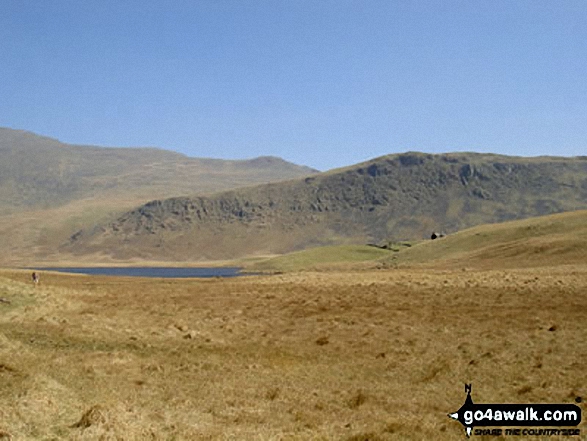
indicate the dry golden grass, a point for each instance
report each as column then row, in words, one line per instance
column 353, row 355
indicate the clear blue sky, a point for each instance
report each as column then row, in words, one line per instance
column 324, row 83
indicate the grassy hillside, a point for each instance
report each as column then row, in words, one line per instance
column 397, row 197
column 49, row 190
column 541, row 241
column 558, row 239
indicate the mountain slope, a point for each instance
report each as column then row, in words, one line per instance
column 397, row 197
column 49, row 190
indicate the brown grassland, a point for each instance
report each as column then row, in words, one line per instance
column 360, row 353
column 368, row 355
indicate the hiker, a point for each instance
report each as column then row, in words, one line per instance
column 35, row 278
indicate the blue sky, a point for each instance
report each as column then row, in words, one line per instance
column 325, row 83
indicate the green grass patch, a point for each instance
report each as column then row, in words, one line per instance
column 320, row 257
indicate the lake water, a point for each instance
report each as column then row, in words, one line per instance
column 152, row 271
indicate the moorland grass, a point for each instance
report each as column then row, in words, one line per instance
column 340, row 355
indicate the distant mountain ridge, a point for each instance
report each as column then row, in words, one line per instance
column 41, row 171
column 402, row 196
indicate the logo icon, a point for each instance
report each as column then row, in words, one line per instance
column 472, row 415
column 459, row 414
